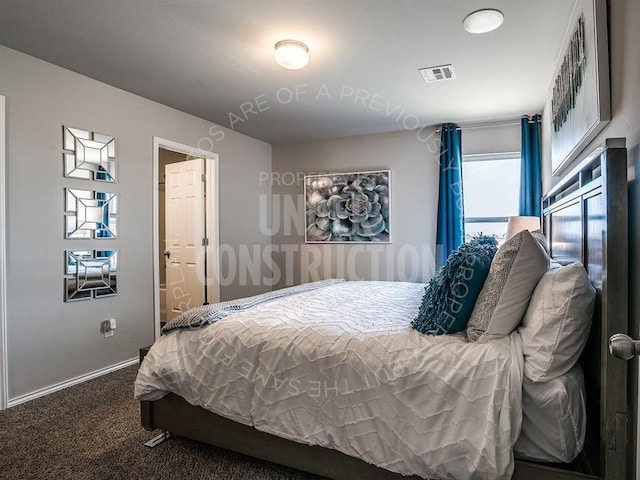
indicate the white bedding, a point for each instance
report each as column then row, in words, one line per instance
column 554, row 418
column 341, row 367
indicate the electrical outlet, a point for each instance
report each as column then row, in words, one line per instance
column 107, row 327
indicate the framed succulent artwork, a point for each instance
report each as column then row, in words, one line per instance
column 347, row 207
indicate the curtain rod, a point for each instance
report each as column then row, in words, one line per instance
column 473, row 126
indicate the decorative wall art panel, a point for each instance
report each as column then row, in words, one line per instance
column 89, row 155
column 579, row 103
column 90, row 274
column 90, row 214
column 347, row 207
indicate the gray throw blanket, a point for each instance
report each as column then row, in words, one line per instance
column 207, row 314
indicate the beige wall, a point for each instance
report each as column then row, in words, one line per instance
column 50, row 341
column 411, row 157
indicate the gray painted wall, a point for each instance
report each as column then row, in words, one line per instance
column 50, row 341
column 491, row 139
column 624, row 38
column 412, row 158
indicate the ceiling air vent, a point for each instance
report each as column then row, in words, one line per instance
column 436, row 74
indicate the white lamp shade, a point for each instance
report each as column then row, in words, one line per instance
column 291, row 54
column 517, row 224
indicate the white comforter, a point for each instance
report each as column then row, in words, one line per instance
column 342, row 368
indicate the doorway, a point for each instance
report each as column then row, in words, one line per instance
column 186, row 241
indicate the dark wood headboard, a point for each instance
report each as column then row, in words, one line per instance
column 585, row 218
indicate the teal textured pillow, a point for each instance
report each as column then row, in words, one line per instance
column 451, row 294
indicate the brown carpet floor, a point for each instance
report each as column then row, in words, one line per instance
column 92, row 431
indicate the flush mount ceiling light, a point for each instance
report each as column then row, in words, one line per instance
column 291, row 54
column 483, row 21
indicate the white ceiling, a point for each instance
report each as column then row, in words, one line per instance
column 213, row 58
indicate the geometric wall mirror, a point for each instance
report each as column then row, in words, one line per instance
column 90, row 214
column 90, row 274
column 89, row 155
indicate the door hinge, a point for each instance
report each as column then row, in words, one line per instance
column 204, row 177
column 205, row 242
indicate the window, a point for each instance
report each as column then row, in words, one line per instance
column 491, row 193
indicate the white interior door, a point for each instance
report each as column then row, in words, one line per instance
column 184, row 234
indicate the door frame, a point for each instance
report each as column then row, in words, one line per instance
column 4, row 378
column 212, row 220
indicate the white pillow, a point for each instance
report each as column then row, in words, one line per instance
column 557, row 322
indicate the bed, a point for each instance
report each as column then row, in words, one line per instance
column 438, row 435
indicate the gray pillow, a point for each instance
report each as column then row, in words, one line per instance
column 503, row 300
column 541, row 239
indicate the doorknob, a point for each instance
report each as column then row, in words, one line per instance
column 623, row 346
column 167, row 253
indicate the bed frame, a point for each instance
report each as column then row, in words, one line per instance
column 585, row 219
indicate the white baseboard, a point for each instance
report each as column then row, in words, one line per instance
column 69, row 383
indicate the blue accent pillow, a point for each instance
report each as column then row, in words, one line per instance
column 451, row 294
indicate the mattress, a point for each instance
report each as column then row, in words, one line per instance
column 341, row 367
column 554, row 418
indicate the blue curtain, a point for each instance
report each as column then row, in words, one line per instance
column 530, row 168
column 450, row 232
